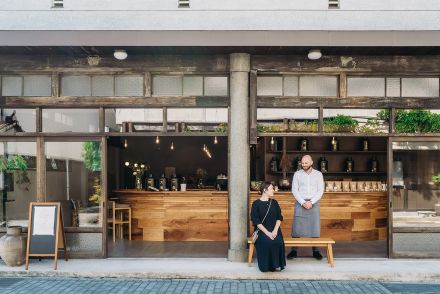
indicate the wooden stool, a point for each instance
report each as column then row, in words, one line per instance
column 118, row 220
column 301, row 242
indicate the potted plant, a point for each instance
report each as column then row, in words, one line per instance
column 340, row 123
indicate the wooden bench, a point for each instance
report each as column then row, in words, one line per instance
column 301, row 242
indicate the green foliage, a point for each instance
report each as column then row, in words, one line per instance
column 222, row 128
column 96, row 196
column 270, row 128
column 434, row 123
column 341, row 120
column 436, row 178
column 92, row 155
column 19, row 164
column 414, row 121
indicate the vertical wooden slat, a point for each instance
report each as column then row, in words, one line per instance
column 39, row 120
column 101, row 119
column 55, row 84
column 104, row 192
column 390, row 196
column 343, row 85
column 147, row 84
column 165, row 120
column 321, row 119
column 253, row 107
column 392, row 122
column 41, row 170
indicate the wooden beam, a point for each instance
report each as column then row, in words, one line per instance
column 349, row 102
column 115, row 102
column 104, row 194
column 101, row 120
column 392, row 122
column 41, row 170
column 39, row 120
column 253, row 107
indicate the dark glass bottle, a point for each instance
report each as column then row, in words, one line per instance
column 304, row 144
column 162, row 182
column 274, row 164
column 174, row 183
column 349, row 165
column 149, row 182
column 323, row 165
column 374, row 165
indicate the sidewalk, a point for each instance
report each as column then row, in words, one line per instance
column 220, row 268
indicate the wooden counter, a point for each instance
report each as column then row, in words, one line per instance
column 203, row 215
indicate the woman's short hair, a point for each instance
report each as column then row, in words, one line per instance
column 263, row 187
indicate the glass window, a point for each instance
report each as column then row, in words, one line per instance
column 71, row 120
column 361, row 86
column 37, row 85
column 103, row 85
column 318, row 86
column 141, row 119
column 290, row 86
column 192, row 86
column 23, row 120
column 73, row 177
column 216, row 86
column 18, row 182
column 370, row 121
column 12, row 86
column 76, row 86
column 420, row 87
column 167, row 85
column 129, row 86
column 197, row 119
column 273, row 120
column 393, row 87
column 269, row 86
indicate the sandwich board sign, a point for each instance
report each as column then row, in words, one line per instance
column 45, row 231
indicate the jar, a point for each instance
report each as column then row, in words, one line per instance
column 13, row 247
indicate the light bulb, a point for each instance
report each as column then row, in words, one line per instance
column 215, row 140
column 272, row 141
column 125, row 143
column 204, row 147
column 127, row 163
column 157, row 139
column 172, row 145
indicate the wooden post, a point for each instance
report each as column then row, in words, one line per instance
column 165, row 120
column 253, row 107
column 321, row 119
column 104, row 165
column 41, row 170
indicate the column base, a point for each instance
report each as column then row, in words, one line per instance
column 237, row 255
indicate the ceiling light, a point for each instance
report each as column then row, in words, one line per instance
column 172, row 146
column 314, row 54
column 215, row 140
column 157, row 139
column 120, row 54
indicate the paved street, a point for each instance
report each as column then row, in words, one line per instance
column 108, row 285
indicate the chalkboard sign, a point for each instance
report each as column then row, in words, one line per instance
column 45, row 231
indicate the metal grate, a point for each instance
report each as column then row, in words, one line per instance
column 57, row 4
column 333, row 4
column 183, row 3
column 8, row 282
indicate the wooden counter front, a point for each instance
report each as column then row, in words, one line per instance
column 203, row 215
column 178, row 216
column 350, row 216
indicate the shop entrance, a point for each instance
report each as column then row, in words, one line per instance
column 175, row 189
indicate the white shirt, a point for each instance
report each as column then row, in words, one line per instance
column 307, row 187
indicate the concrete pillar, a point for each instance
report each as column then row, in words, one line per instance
column 238, row 159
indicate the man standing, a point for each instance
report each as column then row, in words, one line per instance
column 307, row 188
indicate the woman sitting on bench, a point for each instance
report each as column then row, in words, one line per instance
column 266, row 218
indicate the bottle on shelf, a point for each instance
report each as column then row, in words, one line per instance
column 162, row 182
column 304, row 144
column 334, row 144
column 274, row 164
column 349, row 165
column 298, row 163
column 365, row 144
column 374, row 165
column 150, row 182
column 323, row 165
column 174, row 183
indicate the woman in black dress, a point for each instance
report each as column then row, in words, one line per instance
column 270, row 242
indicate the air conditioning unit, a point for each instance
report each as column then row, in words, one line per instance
column 333, row 4
column 57, row 4
column 183, row 3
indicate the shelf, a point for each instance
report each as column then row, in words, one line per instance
column 330, row 152
column 339, row 173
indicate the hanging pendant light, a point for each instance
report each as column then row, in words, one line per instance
column 172, row 146
column 215, row 140
column 204, row 147
column 272, row 141
column 125, row 143
column 157, row 139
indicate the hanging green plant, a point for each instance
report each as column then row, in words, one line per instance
column 16, row 163
column 92, row 155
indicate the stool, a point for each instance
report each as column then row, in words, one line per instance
column 117, row 218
